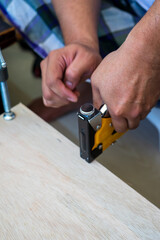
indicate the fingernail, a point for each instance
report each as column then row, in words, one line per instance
column 72, row 100
column 69, row 84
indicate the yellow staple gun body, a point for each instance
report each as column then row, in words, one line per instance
column 96, row 132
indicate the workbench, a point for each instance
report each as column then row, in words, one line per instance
column 48, row 192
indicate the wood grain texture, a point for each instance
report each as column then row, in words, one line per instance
column 48, row 192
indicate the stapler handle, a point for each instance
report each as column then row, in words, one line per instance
column 104, row 111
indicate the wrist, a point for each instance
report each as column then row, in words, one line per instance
column 140, row 46
column 89, row 42
column 145, row 36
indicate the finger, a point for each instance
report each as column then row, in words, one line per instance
column 76, row 72
column 120, row 124
column 55, row 101
column 50, row 99
column 52, row 76
column 64, row 92
column 48, row 95
column 43, row 66
column 133, row 123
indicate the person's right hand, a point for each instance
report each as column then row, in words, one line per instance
column 63, row 69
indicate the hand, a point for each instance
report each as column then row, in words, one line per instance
column 63, row 70
column 128, row 81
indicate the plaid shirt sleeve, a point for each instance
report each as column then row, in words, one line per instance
column 37, row 22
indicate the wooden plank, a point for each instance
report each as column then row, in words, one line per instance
column 48, row 192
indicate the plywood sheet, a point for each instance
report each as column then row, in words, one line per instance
column 48, row 192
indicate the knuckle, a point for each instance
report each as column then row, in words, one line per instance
column 47, row 96
column 71, row 74
column 118, row 112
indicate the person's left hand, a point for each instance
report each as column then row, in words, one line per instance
column 62, row 71
column 128, row 81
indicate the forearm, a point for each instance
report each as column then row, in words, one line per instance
column 146, row 34
column 78, row 20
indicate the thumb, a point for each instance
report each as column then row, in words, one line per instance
column 75, row 73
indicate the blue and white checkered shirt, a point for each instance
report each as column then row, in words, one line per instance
column 36, row 20
column 146, row 4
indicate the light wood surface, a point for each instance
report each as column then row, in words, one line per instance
column 48, row 192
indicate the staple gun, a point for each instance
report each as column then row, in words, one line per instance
column 96, row 132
